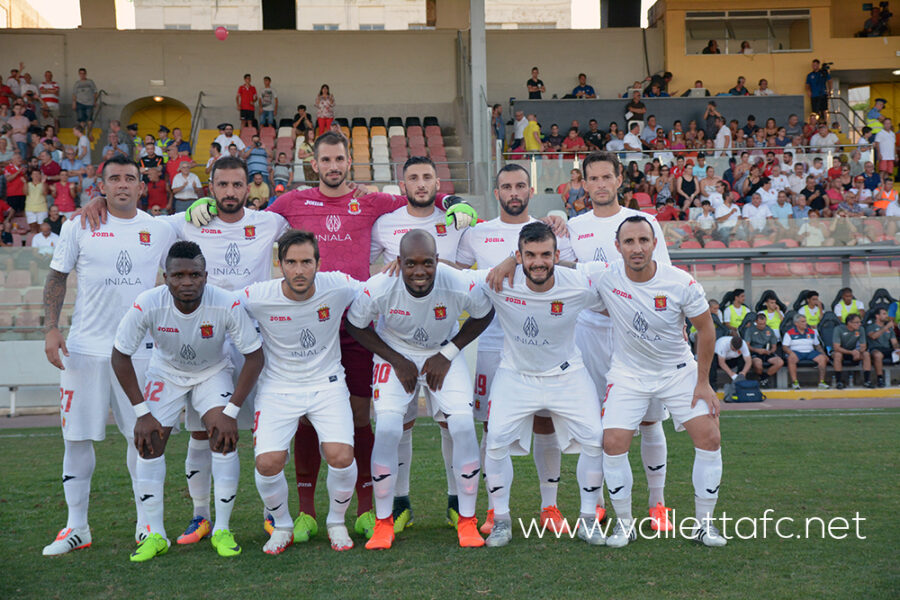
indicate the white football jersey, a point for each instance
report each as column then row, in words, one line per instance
column 389, row 228
column 539, row 327
column 648, row 318
column 487, row 245
column 300, row 339
column 188, row 349
column 417, row 326
column 114, row 264
column 594, row 239
column 237, row 254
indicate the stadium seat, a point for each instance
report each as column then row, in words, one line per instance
column 33, row 296
column 358, row 122
column 413, row 122
column 858, row 267
column 378, row 130
column 828, row 268
column 345, row 131
column 418, row 151
column 431, row 121
column 447, row 187
column 649, row 210
column 396, row 130
column 382, row 172
column 882, row 267
column 415, row 130
column 359, row 132
column 432, row 130
column 342, row 122
column 28, row 319
column 802, row 269
column 395, row 122
column 285, row 132
column 18, row 279
column 10, row 297
column 376, row 122
column 362, row 173
column 644, row 200
column 267, row 132
column 391, row 189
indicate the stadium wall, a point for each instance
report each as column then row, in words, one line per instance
column 370, row 73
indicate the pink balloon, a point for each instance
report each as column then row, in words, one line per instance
column 221, row 33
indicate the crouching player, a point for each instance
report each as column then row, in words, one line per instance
column 417, row 316
column 647, row 302
column 299, row 317
column 188, row 321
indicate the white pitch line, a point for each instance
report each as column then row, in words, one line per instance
column 808, row 413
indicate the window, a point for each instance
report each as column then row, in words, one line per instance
column 420, row 27
column 371, row 26
column 767, row 31
column 325, row 27
column 179, row 27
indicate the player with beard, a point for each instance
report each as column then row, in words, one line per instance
column 342, row 224
column 593, row 236
column 237, row 245
column 488, row 245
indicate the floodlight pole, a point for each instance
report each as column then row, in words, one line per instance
column 479, row 121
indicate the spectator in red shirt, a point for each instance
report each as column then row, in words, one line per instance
column 6, row 95
column 49, row 167
column 175, row 160
column 246, row 102
column 15, row 182
column 667, row 212
column 835, row 171
column 573, row 142
column 159, row 192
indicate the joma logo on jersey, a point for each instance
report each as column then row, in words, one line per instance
column 515, row 301
column 441, row 229
column 585, row 236
column 212, row 231
column 659, row 302
column 314, row 203
column 279, row 318
column 619, row 292
column 493, row 240
column 144, row 237
column 401, row 231
column 168, row 329
column 399, row 311
column 353, row 207
column 324, row 313
column 250, row 232
column 440, row 312
column 103, row 234
column 556, row 307
column 206, row 331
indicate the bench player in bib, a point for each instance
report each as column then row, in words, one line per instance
column 114, row 264
column 417, row 345
column 647, row 303
column 342, row 221
column 541, row 369
column 299, row 317
column 188, row 321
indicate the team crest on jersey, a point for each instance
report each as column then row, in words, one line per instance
column 441, row 229
column 440, row 312
column 144, row 237
column 324, row 313
column 250, row 232
column 353, row 206
column 206, row 330
column 659, row 302
column 556, row 307
column 375, row 393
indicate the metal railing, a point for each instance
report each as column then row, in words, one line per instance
column 195, row 119
column 855, row 119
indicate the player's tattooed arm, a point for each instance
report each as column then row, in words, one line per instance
column 54, row 295
column 404, row 369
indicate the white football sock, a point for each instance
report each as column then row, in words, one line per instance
column 483, row 455
column 465, row 462
column 226, row 470
column 273, row 489
column 151, row 480
column 447, row 454
column 131, row 456
column 617, row 472
column 499, row 467
column 340, row 485
column 707, row 476
column 388, row 432
column 589, row 473
column 404, row 463
column 197, row 470
column 78, row 467
column 547, row 459
column 654, row 454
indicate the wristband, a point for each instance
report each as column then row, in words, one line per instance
column 449, row 351
column 140, row 409
column 231, row 410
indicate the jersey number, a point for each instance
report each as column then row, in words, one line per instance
column 153, row 395
column 481, row 385
column 381, row 373
column 65, row 399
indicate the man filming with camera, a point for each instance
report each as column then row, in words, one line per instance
column 818, row 86
column 877, row 23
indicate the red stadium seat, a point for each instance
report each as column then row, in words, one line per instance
column 828, row 268
column 433, row 130
column 643, row 199
column 649, row 210
column 882, row 267
column 802, row 269
column 415, row 130
column 447, row 187
column 858, row 267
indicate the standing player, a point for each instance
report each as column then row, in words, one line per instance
column 542, row 369
column 342, row 224
column 593, row 239
column 299, row 317
column 114, row 264
column 417, row 316
column 488, row 245
column 188, row 321
column 652, row 362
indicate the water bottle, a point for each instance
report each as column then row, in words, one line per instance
column 850, row 380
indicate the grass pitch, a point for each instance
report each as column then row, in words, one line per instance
column 826, row 464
